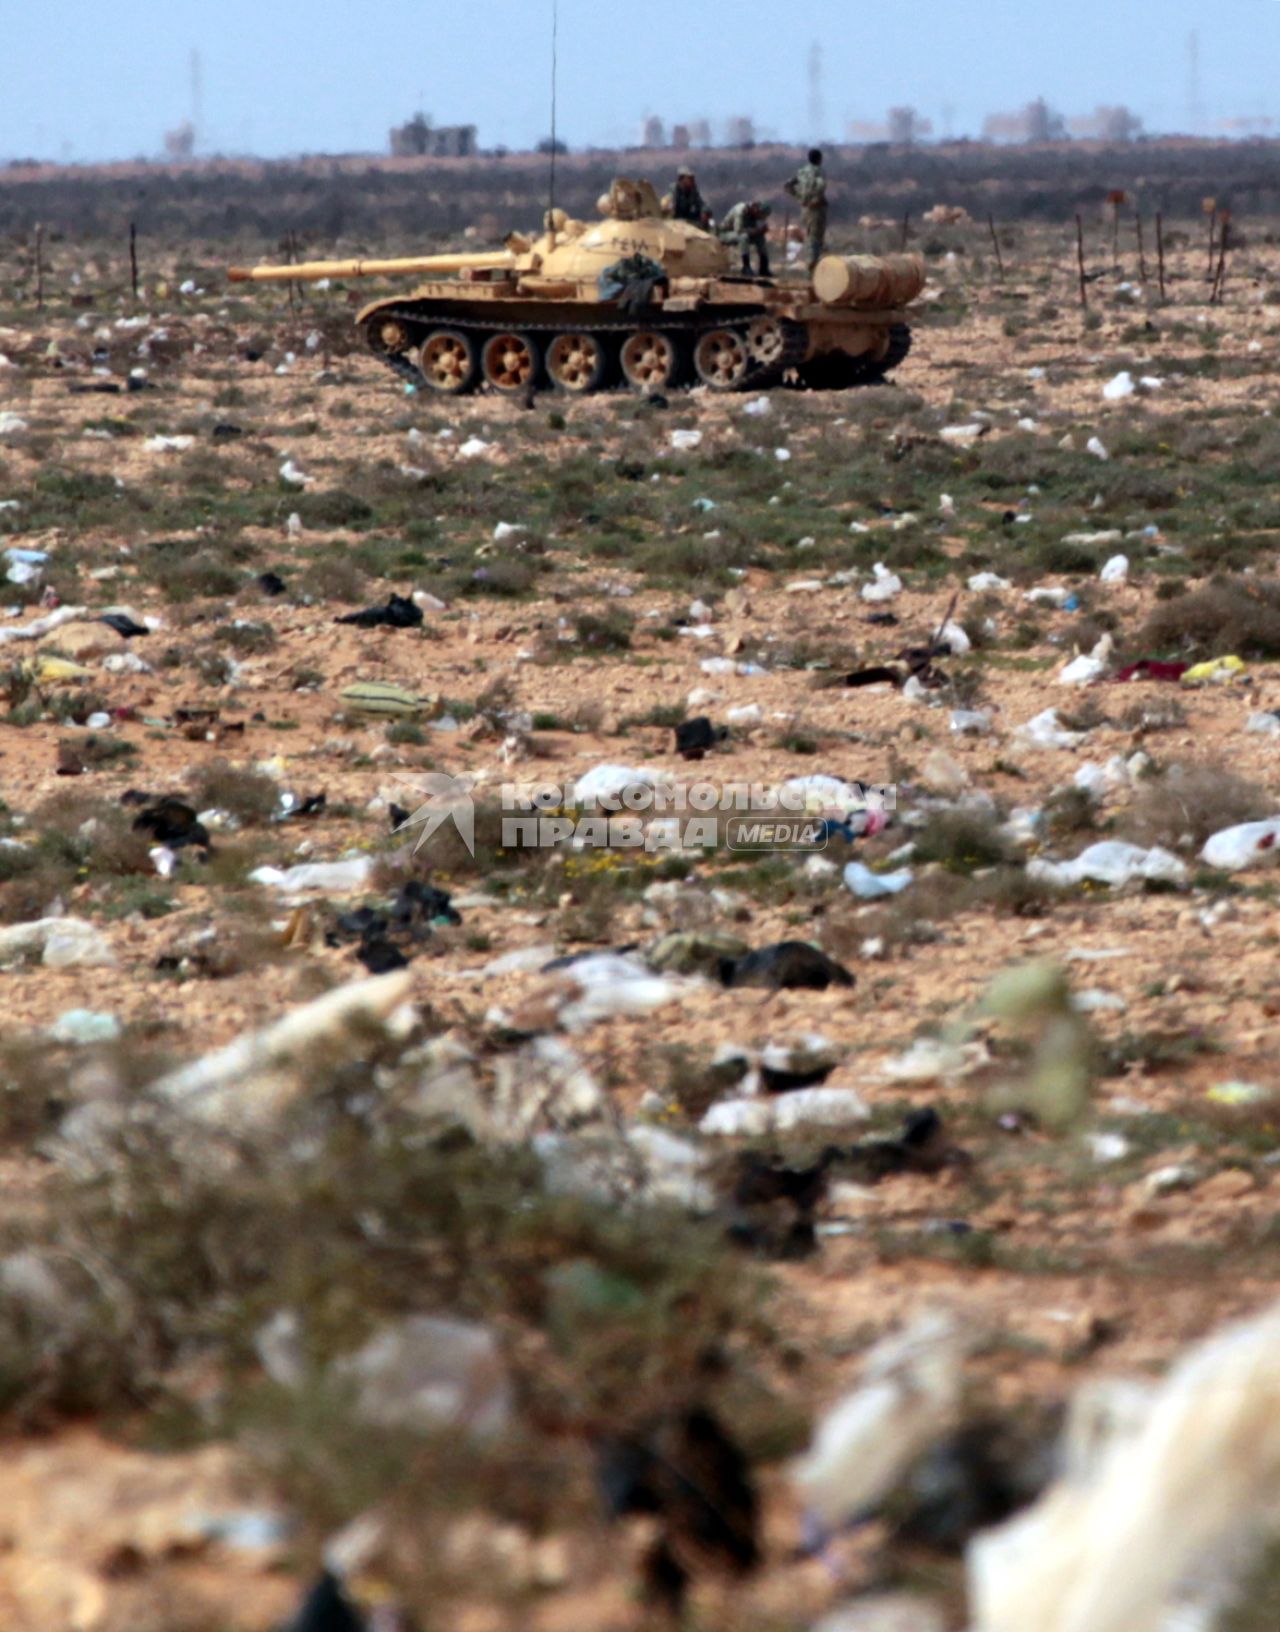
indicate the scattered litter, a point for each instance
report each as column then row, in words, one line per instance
column 1163, row 1489
column 686, row 441
column 988, row 582
column 124, row 624
column 1095, row 446
column 963, row 436
column 607, row 784
column 934, row 1059
column 1234, row 848
column 326, row 877
column 381, row 697
column 474, row 447
column 869, row 886
column 761, row 1115
column 170, row 444
column 953, row 637
column 885, row 1612
column 1113, row 862
column 399, row 612
column 608, row 984
column 886, row 585
column 290, row 473
column 1084, row 670
column 694, row 737
column 170, row 822
column 880, row 674
column 1045, row 731
column 254, row 1078
column 908, row 1393
column 758, row 407
column 83, row 1026
column 1115, row 571
column 1147, row 668
column 1237, row 1092
column 1217, row 671
column 427, row 1373
column 786, row 966
column 40, row 627
column 1115, row 390
column 61, row 942
column 1095, row 1001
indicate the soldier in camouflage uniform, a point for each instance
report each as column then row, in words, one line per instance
column 809, row 189
column 687, row 203
column 747, row 225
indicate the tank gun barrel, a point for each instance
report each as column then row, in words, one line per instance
column 405, row 266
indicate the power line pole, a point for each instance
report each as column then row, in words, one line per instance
column 197, row 98
column 1195, row 104
column 817, row 106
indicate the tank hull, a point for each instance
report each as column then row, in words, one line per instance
column 785, row 335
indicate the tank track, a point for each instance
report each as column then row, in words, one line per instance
column 837, row 372
column 857, row 370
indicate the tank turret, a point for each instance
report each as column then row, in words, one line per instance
column 632, row 296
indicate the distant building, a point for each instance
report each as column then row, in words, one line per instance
column 180, row 143
column 421, row 139
column 653, row 133
column 1037, row 122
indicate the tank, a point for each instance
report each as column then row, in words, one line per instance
column 633, row 298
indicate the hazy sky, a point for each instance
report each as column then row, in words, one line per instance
column 81, row 80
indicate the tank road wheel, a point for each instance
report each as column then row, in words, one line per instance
column 652, row 360
column 577, row 362
column 511, row 363
column 392, row 337
column 721, row 359
column 767, row 343
column 448, row 362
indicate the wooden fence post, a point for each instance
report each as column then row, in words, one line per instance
column 995, row 244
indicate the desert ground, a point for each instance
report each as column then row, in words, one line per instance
column 200, row 1285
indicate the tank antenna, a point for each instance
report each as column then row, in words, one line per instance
column 551, row 204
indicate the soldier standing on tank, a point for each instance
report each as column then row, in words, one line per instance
column 809, row 188
column 687, row 203
column 747, row 225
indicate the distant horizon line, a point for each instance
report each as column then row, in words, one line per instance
column 499, row 151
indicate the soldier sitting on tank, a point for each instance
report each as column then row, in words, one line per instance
column 809, row 188
column 687, row 203
column 747, row 225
